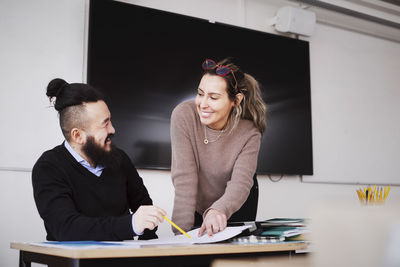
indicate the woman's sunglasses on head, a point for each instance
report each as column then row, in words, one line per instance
column 220, row 70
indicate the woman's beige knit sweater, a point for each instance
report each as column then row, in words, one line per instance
column 217, row 175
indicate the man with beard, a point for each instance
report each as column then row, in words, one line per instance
column 86, row 188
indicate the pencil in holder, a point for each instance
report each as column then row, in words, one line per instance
column 375, row 195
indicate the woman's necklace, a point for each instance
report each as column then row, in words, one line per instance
column 206, row 141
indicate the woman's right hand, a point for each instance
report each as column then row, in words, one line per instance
column 213, row 223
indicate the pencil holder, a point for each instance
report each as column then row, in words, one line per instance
column 375, row 195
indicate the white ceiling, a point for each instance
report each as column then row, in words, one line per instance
column 380, row 18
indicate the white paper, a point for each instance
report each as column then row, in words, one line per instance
column 229, row 232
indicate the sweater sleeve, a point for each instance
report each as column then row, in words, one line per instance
column 183, row 170
column 238, row 188
column 137, row 193
column 55, row 203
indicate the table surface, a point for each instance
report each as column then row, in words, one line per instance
column 156, row 251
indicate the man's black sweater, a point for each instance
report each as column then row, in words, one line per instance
column 75, row 204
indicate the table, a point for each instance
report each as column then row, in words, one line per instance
column 300, row 260
column 165, row 255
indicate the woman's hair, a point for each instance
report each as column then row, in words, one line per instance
column 69, row 100
column 252, row 107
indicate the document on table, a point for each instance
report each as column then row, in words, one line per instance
column 229, row 232
column 79, row 244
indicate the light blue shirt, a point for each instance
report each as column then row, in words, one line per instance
column 98, row 170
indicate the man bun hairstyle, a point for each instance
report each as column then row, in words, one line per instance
column 69, row 100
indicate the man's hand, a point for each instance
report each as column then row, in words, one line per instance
column 213, row 223
column 148, row 217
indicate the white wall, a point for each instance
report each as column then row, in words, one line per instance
column 355, row 101
column 44, row 39
column 40, row 40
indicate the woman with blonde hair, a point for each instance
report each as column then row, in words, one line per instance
column 215, row 143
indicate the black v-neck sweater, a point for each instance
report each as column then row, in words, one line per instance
column 75, row 204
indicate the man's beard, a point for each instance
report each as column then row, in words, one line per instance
column 99, row 156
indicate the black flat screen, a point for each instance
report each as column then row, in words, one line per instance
column 147, row 61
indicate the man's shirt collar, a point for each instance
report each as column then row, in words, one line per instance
column 96, row 171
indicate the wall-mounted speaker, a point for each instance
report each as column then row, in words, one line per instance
column 294, row 20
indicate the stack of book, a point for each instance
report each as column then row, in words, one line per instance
column 273, row 230
column 283, row 229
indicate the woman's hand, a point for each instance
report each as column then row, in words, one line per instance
column 213, row 223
